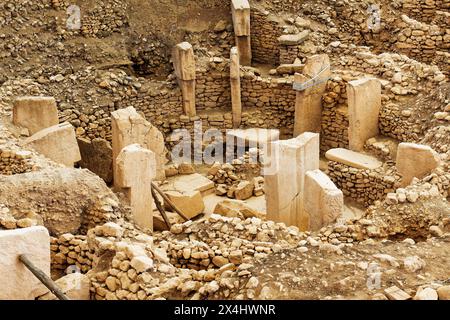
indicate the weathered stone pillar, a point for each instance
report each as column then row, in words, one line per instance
column 136, row 168
column 240, row 10
column 58, row 143
column 311, row 86
column 18, row 283
column 415, row 160
column 235, row 79
column 323, row 201
column 35, row 113
column 364, row 103
column 184, row 65
column 284, row 182
column 129, row 127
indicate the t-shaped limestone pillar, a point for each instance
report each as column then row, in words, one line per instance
column 240, row 10
column 311, row 86
column 285, row 180
column 415, row 160
column 136, row 168
column 35, row 113
column 235, row 79
column 323, row 201
column 129, row 127
column 184, row 64
column 364, row 103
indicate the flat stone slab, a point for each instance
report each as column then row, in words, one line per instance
column 353, row 159
column 255, row 135
column 293, row 39
column 189, row 183
column 17, row 282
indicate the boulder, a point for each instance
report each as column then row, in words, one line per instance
column 244, row 190
column 235, row 208
column 190, row 203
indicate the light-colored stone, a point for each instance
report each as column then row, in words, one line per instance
column 240, row 11
column 364, row 104
column 323, row 201
column 415, row 161
column 58, row 143
column 288, row 163
column 426, row 294
column 136, row 168
column 236, row 208
column 75, row 286
column 293, row 39
column 35, row 113
column 184, row 64
column 244, row 190
column 235, row 83
column 444, row 293
column 190, row 203
column 129, row 127
column 17, row 282
column 353, row 159
column 141, row 263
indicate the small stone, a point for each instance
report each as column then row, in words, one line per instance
column 426, row 294
column 444, row 293
column 25, row 223
column 413, row 264
column 141, row 264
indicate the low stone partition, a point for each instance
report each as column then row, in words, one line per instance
column 71, row 251
column 15, row 162
column 361, row 177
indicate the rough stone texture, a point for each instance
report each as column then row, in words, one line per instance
column 18, row 283
column 67, row 200
column 235, row 86
column 58, row 143
column 190, row 203
column 415, row 160
column 289, row 162
column 184, row 65
column 235, row 208
column 308, row 105
column 76, row 286
column 35, row 113
column 353, row 159
column 136, row 168
column 96, row 155
column 240, row 10
column 128, row 127
column 364, row 103
column 323, row 202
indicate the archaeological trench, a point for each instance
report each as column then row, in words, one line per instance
column 327, row 122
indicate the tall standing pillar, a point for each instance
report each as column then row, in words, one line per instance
column 184, row 65
column 311, row 86
column 235, row 80
column 136, row 168
column 240, row 10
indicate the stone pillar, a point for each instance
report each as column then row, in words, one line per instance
column 415, row 160
column 284, row 183
column 235, row 79
column 129, row 127
column 364, row 103
column 323, row 201
column 35, row 113
column 240, row 10
column 136, row 168
column 17, row 282
column 58, row 143
column 184, row 65
column 308, row 103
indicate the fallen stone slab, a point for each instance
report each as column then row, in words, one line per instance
column 190, row 203
column 293, row 39
column 254, row 136
column 190, row 182
column 235, row 208
column 35, row 113
column 353, row 159
column 75, row 286
column 17, row 282
column 58, row 143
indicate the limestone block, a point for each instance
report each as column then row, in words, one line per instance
column 308, row 103
column 96, row 155
column 129, row 127
column 136, row 168
column 235, row 208
column 35, row 113
column 364, row 104
column 415, row 160
column 293, row 39
column 75, row 286
column 289, row 162
column 17, row 282
column 324, row 202
column 244, row 190
column 191, row 182
column 184, row 61
column 353, row 159
column 58, row 143
column 240, row 10
column 190, row 203
column 254, row 137
column 235, row 81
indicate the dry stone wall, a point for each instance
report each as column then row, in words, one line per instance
column 15, row 162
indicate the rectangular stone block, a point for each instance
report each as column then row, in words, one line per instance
column 353, row 159
column 17, row 282
column 35, row 113
column 184, row 61
column 323, row 201
column 235, row 81
column 364, row 103
column 58, row 143
column 240, row 10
